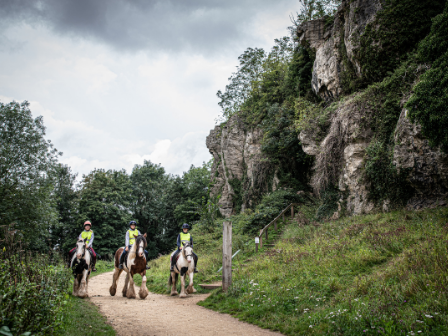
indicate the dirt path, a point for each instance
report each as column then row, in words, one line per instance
column 162, row 314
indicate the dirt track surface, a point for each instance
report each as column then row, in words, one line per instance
column 162, row 314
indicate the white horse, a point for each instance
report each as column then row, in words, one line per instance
column 136, row 264
column 82, row 264
column 184, row 265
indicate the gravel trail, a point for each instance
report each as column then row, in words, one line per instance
column 162, row 314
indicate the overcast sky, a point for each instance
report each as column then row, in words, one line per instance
column 121, row 81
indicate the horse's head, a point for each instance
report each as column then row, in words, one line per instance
column 80, row 248
column 141, row 245
column 188, row 252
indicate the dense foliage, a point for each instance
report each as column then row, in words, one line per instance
column 396, row 31
column 429, row 104
column 33, row 288
column 27, row 165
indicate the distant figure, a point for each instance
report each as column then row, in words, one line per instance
column 131, row 234
column 90, row 236
column 182, row 238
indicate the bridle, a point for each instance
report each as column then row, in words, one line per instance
column 83, row 250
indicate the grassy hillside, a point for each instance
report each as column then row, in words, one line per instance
column 372, row 274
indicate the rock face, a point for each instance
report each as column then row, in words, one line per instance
column 340, row 157
column 237, row 162
column 336, row 44
column 428, row 167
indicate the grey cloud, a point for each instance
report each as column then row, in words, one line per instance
column 149, row 25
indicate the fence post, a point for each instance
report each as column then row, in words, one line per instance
column 261, row 238
column 226, row 256
column 266, row 235
column 257, row 241
column 292, row 211
column 275, row 225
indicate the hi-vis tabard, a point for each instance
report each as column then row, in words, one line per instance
column 132, row 235
column 88, row 235
column 184, row 237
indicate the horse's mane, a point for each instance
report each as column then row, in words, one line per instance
column 139, row 239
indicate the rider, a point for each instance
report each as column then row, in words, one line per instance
column 183, row 237
column 131, row 234
column 90, row 236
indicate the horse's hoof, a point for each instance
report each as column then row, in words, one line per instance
column 174, row 293
column 183, row 295
column 143, row 295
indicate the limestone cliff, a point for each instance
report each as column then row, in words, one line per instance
column 340, row 157
column 238, row 166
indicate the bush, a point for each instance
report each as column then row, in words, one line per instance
column 429, row 103
column 33, row 288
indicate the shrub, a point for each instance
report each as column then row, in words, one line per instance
column 429, row 103
column 33, row 288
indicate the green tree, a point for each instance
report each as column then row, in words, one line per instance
column 27, row 165
column 65, row 232
column 106, row 200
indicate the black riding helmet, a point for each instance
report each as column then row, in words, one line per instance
column 185, row 226
column 132, row 222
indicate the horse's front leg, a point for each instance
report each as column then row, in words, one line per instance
column 190, row 288
column 82, row 293
column 76, row 285
column 113, row 288
column 130, row 294
column 125, row 287
column 143, row 292
column 182, row 287
column 173, row 276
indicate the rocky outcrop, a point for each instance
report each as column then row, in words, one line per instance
column 428, row 167
column 237, row 163
column 336, row 44
column 340, row 157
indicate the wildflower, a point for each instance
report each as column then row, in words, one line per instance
column 429, row 316
column 419, row 321
column 309, row 316
column 311, row 325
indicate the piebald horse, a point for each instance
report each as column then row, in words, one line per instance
column 184, row 265
column 81, row 264
column 136, row 264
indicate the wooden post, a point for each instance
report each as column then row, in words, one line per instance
column 257, row 241
column 266, row 235
column 226, row 256
column 275, row 225
column 292, row 211
column 283, row 218
column 261, row 240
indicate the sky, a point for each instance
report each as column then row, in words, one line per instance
column 123, row 81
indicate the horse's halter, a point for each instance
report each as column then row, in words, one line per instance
column 188, row 255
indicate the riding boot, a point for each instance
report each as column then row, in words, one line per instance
column 120, row 266
column 195, row 257
column 94, row 263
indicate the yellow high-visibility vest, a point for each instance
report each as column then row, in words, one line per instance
column 88, row 235
column 184, row 237
column 132, row 236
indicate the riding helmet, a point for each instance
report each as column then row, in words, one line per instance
column 132, row 222
column 185, row 226
column 87, row 223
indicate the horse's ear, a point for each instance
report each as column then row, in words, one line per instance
column 85, row 240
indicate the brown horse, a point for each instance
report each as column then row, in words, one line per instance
column 136, row 264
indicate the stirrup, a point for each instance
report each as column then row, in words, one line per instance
column 148, row 267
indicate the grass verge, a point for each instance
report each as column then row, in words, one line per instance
column 81, row 317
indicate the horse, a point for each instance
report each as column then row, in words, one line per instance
column 81, row 264
column 136, row 264
column 184, row 265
